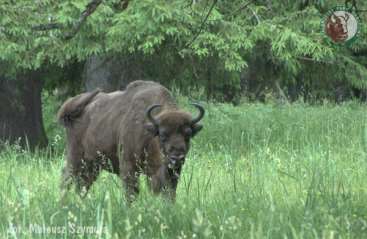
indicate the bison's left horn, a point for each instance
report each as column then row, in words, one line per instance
column 201, row 113
column 149, row 114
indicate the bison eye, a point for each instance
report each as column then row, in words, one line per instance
column 187, row 132
column 163, row 136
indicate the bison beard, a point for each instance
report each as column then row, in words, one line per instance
column 139, row 130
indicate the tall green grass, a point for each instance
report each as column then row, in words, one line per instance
column 255, row 171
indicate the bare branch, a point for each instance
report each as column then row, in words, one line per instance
column 208, row 14
column 89, row 10
column 255, row 15
column 202, row 24
column 91, row 7
column 242, row 7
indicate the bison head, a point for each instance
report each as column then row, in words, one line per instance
column 337, row 27
column 174, row 128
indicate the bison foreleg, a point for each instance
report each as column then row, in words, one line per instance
column 169, row 192
column 165, row 183
column 66, row 182
column 130, row 177
column 87, row 176
column 81, row 174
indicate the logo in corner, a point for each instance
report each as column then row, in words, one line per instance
column 341, row 25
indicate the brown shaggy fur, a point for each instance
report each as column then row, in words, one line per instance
column 112, row 132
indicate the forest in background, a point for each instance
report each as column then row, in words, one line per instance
column 223, row 51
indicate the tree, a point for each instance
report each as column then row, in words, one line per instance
column 22, row 80
column 21, row 113
column 208, row 43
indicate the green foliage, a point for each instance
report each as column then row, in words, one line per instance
column 174, row 34
column 254, row 171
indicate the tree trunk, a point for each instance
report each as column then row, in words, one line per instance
column 21, row 110
column 281, row 95
column 111, row 73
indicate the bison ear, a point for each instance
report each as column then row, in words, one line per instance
column 151, row 128
column 195, row 129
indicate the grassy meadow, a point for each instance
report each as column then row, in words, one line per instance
column 255, row 171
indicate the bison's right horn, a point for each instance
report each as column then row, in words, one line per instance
column 333, row 18
column 149, row 114
column 201, row 113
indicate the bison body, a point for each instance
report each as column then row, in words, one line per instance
column 139, row 130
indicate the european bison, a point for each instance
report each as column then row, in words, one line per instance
column 139, row 130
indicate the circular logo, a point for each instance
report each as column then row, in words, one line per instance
column 341, row 25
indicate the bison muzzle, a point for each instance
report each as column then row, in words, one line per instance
column 138, row 130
